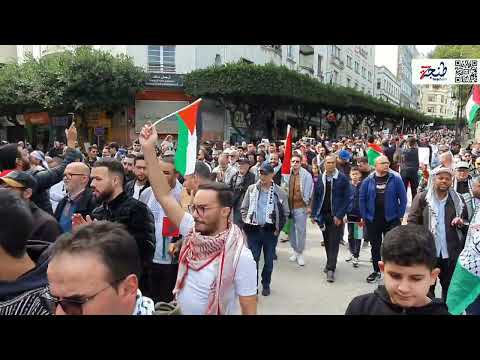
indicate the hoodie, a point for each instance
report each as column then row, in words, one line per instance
column 24, row 296
column 379, row 303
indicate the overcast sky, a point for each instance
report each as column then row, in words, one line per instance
column 387, row 55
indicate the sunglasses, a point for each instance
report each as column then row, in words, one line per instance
column 72, row 306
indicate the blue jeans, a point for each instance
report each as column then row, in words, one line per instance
column 474, row 308
column 258, row 238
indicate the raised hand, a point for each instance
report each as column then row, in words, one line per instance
column 71, row 134
column 148, row 136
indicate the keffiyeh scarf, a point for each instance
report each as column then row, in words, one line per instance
column 253, row 206
column 143, row 305
column 200, row 250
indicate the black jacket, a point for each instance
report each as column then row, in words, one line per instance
column 137, row 218
column 45, row 227
column 378, row 303
column 86, row 203
column 24, row 296
column 48, row 178
column 239, row 193
column 130, row 187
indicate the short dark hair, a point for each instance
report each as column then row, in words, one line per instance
column 354, row 168
column 224, row 193
column 362, row 159
column 138, row 157
column 106, row 147
column 8, row 155
column 114, row 166
column 412, row 141
column 202, row 170
column 371, row 139
column 114, row 145
column 14, row 210
column 295, row 154
column 91, row 147
column 117, row 249
column 131, row 156
column 408, row 245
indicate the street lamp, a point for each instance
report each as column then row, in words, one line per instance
column 457, row 125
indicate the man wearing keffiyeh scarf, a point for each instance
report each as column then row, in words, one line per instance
column 216, row 270
column 442, row 211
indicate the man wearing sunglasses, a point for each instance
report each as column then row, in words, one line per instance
column 79, row 198
column 216, row 272
column 23, row 277
column 45, row 227
column 95, row 271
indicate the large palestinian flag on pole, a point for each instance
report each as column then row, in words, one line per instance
column 186, row 155
column 373, row 152
column 465, row 284
column 473, row 104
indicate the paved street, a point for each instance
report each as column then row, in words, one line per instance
column 304, row 290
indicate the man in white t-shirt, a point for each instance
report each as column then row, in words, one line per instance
column 217, row 272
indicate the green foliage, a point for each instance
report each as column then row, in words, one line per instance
column 277, row 87
column 456, row 52
column 70, row 81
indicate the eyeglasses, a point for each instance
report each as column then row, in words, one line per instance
column 69, row 175
column 200, row 209
column 73, row 306
column 295, row 161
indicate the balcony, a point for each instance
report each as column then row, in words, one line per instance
column 306, row 69
column 335, row 61
column 161, row 69
column 273, row 54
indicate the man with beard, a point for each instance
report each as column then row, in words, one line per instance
column 463, row 184
column 128, row 164
column 116, row 206
column 92, row 155
column 239, row 184
column 138, row 185
column 277, row 167
column 12, row 159
column 216, row 269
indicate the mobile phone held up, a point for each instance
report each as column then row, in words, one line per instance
column 71, row 117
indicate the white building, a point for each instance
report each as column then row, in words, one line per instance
column 386, row 85
column 436, row 100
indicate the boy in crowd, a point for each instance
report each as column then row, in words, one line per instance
column 409, row 258
column 354, row 218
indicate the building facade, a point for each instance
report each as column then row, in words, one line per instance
column 408, row 91
column 386, row 85
column 437, row 100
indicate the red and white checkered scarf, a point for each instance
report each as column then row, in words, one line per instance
column 199, row 251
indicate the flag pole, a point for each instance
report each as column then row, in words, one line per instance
column 176, row 112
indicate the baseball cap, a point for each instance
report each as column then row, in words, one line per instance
column 266, row 167
column 168, row 153
column 19, row 179
column 442, row 170
column 243, row 160
column 345, row 155
column 461, row 165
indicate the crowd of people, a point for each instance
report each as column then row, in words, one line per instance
column 121, row 231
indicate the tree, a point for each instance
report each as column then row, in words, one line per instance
column 81, row 80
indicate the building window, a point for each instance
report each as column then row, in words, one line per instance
column 356, row 85
column 357, row 67
column 161, row 58
column 363, row 89
column 349, row 61
column 431, row 98
column 370, row 76
column 336, row 51
column 348, row 82
column 335, row 76
column 379, row 84
column 442, row 99
column 319, row 66
column 363, row 72
column 430, row 109
column 369, row 93
column 290, row 51
column 218, row 60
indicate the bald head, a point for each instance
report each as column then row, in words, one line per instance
column 382, row 165
column 76, row 177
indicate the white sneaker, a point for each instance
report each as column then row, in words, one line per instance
column 293, row 258
column 349, row 258
column 300, row 260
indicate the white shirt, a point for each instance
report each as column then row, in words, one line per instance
column 57, row 193
column 136, row 190
column 161, row 255
column 193, row 298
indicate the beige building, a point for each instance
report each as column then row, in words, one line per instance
column 8, row 53
column 436, row 100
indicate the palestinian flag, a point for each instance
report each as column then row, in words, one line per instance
column 465, row 284
column 473, row 104
column 186, row 155
column 288, row 152
column 373, row 152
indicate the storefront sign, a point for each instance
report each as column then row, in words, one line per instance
column 99, row 131
column 165, row 80
column 100, row 123
column 60, row 121
column 41, row 118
